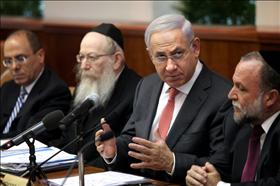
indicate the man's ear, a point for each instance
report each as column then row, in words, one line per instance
column 271, row 98
column 41, row 55
column 118, row 61
column 195, row 46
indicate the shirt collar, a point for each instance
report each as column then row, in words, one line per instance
column 29, row 87
column 268, row 122
column 186, row 88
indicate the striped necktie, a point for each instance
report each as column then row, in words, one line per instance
column 16, row 109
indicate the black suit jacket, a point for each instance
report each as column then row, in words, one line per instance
column 48, row 94
column 192, row 136
column 268, row 169
column 118, row 109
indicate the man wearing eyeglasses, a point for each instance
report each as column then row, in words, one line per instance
column 177, row 111
column 34, row 91
column 101, row 70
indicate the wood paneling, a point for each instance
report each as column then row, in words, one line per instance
column 221, row 47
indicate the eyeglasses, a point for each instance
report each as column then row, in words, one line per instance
column 177, row 56
column 19, row 59
column 91, row 57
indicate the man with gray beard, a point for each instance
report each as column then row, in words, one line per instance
column 252, row 147
column 101, row 70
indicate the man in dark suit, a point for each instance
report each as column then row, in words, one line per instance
column 149, row 145
column 253, row 156
column 44, row 91
column 102, row 70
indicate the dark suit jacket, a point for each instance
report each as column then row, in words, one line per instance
column 268, row 169
column 48, row 94
column 118, row 109
column 194, row 130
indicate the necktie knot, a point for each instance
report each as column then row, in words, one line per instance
column 172, row 93
column 257, row 132
column 23, row 92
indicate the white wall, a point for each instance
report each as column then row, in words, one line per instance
column 267, row 12
column 129, row 11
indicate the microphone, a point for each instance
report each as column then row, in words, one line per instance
column 106, row 136
column 90, row 101
column 49, row 122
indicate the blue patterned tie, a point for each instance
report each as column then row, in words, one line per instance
column 16, row 109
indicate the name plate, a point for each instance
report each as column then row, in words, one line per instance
column 12, row 180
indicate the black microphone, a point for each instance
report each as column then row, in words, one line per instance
column 90, row 101
column 49, row 122
column 107, row 135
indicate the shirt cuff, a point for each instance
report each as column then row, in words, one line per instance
column 110, row 160
column 173, row 166
column 221, row 183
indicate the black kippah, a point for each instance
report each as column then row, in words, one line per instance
column 272, row 58
column 111, row 31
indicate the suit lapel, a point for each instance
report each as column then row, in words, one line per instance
column 190, row 108
column 267, row 145
column 35, row 91
column 12, row 101
column 153, row 103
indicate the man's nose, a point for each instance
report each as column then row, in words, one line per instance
column 170, row 65
column 85, row 65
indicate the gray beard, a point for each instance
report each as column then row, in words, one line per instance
column 103, row 87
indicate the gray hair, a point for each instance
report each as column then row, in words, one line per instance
column 169, row 22
column 113, row 47
column 270, row 79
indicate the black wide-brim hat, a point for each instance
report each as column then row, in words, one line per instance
column 111, row 31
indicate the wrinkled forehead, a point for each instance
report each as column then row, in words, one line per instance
column 248, row 72
column 93, row 42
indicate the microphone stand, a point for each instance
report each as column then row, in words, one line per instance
column 34, row 170
column 81, row 168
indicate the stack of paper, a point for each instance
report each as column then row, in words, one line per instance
column 16, row 159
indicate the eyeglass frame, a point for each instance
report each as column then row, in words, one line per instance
column 16, row 60
column 175, row 59
column 92, row 58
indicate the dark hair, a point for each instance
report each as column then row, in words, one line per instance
column 270, row 79
column 31, row 37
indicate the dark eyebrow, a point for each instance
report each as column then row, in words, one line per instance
column 177, row 50
column 160, row 53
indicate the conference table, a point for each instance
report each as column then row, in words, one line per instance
column 89, row 169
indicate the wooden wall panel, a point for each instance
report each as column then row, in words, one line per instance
column 221, row 47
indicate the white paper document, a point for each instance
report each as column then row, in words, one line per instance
column 16, row 159
column 109, row 178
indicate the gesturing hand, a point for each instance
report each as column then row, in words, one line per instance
column 153, row 155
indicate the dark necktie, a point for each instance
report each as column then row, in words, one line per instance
column 249, row 170
column 166, row 115
column 16, row 110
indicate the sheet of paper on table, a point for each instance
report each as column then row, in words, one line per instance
column 109, row 178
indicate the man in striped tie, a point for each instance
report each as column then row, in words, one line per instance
column 34, row 90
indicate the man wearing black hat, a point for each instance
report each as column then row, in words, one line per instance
column 101, row 70
column 254, row 154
